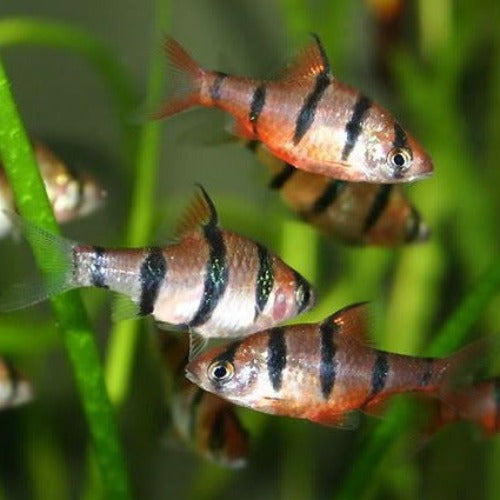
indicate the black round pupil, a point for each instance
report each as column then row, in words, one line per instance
column 399, row 159
column 220, row 372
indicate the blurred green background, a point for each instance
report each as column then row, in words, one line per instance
column 436, row 65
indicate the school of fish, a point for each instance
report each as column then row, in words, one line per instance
column 337, row 159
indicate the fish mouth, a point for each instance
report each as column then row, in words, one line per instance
column 191, row 376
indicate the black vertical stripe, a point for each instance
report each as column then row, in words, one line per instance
column 328, row 364
column 98, row 267
column 215, row 88
column 216, row 275
column 276, row 356
column 265, row 279
column 427, row 375
column 307, row 112
column 282, row 177
column 400, row 141
column 257, row 105
column 379, row 374
column 13, row 379
column 354, row 125
column 400, row 137
column 328, row 196
column 152, row 275
column 378, row 206
column 229, row 353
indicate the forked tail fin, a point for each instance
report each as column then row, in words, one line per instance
column 58, row 262
column 187, row 80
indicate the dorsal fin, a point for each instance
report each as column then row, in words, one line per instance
column 308, row 63
column 199, row 213
column 352, row 321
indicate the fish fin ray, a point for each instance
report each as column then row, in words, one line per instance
column 200, row 212
column 187, row 78
column 197, row 344
column 346, row 421
column 352, row 321
column 58, row 263
column 308, row 63
column 205, row 134
column 238, row 129
column 124, row 308
column 459, row 370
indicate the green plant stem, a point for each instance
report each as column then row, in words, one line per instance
column 449, row 338
column 31, row 199
column 123, row 339
column 40, row 32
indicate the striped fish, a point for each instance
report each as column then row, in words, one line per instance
column 307, row 118
column 15, row 390
column 212, row 282
column 478, row 403
column 201, row 421
column 320, row 372
column 357, row 213
column 72, row 194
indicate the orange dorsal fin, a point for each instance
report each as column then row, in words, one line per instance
column 352, row 321
column 308, row 63
column 200, row 212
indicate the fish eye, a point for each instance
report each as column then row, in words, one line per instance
column 302, row 296
column 400, row 160
column 221, row 371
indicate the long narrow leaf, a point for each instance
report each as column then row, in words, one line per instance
column 33, row 204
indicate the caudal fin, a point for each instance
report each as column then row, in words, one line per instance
column 58, row 262
column 187, row 80
column 460, row 369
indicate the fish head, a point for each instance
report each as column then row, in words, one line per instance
column 72, row 194
column 389, row 153
column 232, row 372
column 291, row 294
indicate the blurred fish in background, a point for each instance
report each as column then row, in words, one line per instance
column 199, row 420
column 72, row 194
column 15, row 389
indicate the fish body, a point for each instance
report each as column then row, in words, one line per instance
column 478, row 403
column 213, row 282
column 357, row 213
column 15, row 390
column 209, row 425
column 71, row 194
column 320, row 372
column 307, row 118
column 199, row 420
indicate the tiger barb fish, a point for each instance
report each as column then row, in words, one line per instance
column 321, row 372
column 211, row 282
column 72, row 194
column 356, row 213
column 307, row 118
